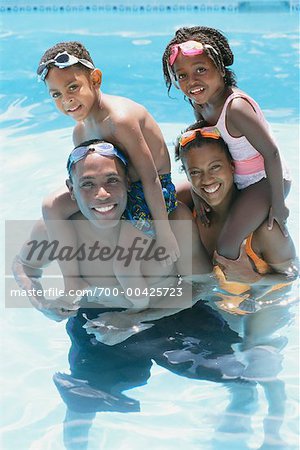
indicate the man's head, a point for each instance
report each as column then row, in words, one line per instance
column 73, row 82
column 98, row 182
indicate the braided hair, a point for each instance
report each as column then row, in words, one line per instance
column 205, row 35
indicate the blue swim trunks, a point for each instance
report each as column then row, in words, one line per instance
column 137, row 211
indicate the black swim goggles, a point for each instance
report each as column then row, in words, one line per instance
column 102, row 148
column 61, row 60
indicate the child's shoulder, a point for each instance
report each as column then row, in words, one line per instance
column 113, row 101
column 122, row 110
column 240, row 102
column 238, row 96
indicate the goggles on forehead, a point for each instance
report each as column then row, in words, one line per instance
column 61, row 60
column 102, row 148
column 188, row 48
column 207, row 132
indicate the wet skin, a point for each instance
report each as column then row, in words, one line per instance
column 100, row 186
column 210, row 173
column 73, row 92
column 198, row 78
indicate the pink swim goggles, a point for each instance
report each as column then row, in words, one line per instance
column 188, row 48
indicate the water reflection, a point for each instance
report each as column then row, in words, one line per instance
column 196, row 343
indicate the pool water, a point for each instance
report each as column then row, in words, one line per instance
column 155, row 389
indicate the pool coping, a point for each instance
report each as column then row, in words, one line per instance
column 150, row 6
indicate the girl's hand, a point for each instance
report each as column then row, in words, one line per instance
column 280, row 215
column 201, row 213
column 201, row 208
column 169, row 243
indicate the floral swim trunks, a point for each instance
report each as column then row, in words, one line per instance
column 137, row 211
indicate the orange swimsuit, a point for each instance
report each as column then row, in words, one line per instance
column 232, row 303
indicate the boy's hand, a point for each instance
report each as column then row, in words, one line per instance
column 280, row 215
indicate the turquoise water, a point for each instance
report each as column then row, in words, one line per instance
column 172, row 399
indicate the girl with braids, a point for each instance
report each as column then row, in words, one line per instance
column 196, row 61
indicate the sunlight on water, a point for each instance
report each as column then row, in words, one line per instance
column 163, row 381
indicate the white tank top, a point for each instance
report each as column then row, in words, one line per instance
column 241, row 149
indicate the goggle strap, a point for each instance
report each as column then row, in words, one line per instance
column 192, row 134
column 102, row 148
column 70, row 61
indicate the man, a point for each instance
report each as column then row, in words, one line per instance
column 98, row 182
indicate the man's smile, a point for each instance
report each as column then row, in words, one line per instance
column 104, row 209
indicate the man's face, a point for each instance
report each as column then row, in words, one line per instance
column 99, row 185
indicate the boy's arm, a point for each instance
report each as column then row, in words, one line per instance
column 141, row 159
column 243, row 118
column 59, row 205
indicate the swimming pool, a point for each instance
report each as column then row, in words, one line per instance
column 158, row 378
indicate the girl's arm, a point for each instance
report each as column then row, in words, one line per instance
column 197, row 112
column 242, row 120
column 200, row 205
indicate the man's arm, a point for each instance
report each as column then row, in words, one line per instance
column 28, row 269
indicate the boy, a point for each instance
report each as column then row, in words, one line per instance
column 74, row 84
